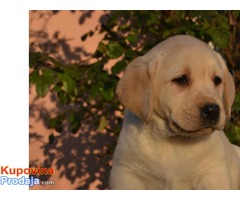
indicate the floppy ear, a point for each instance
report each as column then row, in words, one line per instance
column 229, row 88
column 135, row 89
column 229, row 93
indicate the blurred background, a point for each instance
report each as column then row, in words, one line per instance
column 75, row 61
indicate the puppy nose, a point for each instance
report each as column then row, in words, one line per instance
column 211, row 112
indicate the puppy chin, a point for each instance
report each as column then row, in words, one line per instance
column 200, row 132
column 168, row 128
column 175, row 129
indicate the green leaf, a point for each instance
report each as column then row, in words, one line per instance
column 42, row 86
column 236, row 105
column 102, row 124
column 57, row 123
column 220, row 38
column 132, row 38
column 68, row 83
column 107, row 95
column 94, row 90
column 36, row 59
column 234, row 135
column 114, row 50
column 33, row 77
column 47, row 73
column 118, row 67
column 130, row 53
column 74, row 120
column 108, row 85
column 56, row 63
column 74, row 72
column 103, row 75
column 222, row 21
column 57, row 87
column 102, row 48
column 181, row 14
column 98, row 66
column 62, row 97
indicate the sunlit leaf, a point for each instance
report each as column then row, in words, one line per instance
column 42, row 86
column 102, row 47
column 114, row 50
column 102, row 124
column 68, row 83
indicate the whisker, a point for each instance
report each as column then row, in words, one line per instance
column 235, row 120
column 231, row 123
column 168, row 122
column 228, row 122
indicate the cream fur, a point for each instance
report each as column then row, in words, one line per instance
column 155, row 153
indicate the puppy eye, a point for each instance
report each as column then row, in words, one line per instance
column 217, row 80
column 182, row 80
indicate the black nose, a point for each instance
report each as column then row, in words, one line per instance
column 211, row 112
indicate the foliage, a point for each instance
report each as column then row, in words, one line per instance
column 88, row 90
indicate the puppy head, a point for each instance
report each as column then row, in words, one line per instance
column 181, row 86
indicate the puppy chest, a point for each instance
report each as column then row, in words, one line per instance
column 170, row 168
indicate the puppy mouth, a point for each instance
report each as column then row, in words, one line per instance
column 176, row 129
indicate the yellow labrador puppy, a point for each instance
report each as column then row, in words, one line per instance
column 178, row 97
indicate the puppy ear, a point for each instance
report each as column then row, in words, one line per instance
column 229, row 93
column 135, row 89
column 229, row 88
